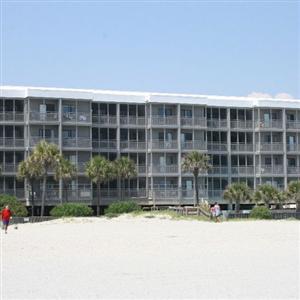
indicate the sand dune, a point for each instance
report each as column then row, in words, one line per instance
column 142, row 258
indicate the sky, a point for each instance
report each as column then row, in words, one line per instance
column 203, row 47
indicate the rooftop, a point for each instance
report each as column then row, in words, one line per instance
column 142, row 97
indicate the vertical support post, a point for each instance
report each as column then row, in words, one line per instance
column 179, row 154
column 284, row 147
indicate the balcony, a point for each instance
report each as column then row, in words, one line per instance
column 141, row 169
column 34, row 140
column 242, row 147
column 270, row 170
column 104, row 120
column 164, row 145
column 164, row 121
column 81, row 167
column 215, row 194
column 80, row 142
column 133, row 121
column 166, row 196
column 217, row 147
column 12, row 116
column 194, row 145
column 243, row 125
column 242, row 170
column 9, row 167
column 293, row 147
column 293, row 170
column 43, row 117
column 216, row 123
column 218, row 171
column 190, row 194
column 293, row 125
column 272, row 124
column 105, row 145
column 11, row 142
column 163, row 169
column 78, row 118
column 269, row 147
column 132, row 145
column 19, row 192
column 194, row 122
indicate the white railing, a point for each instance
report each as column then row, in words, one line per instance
column 43, row 117
column 132, row 145
column 80, row 142
column 194, row 145
column 161, row 169
column 36, row 139
column 242, row 170
column 216, row 147
column 12, row 142
column 108, row 145
column 77, row 117
column 141, row 169
column 12, row 116
column 157, row 144
column 217, row 123
column 125, row 120
column 270, row 169
column 269, row 147
column 215, row 194
column 293, row 125
column 9, row 167
column 19, row 193
column 193, row 122
column 104, row 120
column 218, row 171
column 242, row 147
column 158, row 120
column 277, row 124
column 238, row 124
column 293, row 170
column 293, row 147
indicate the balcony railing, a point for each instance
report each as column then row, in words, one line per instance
column 104, row 120
column 163, row 169
column 105, row 145
column 77, row 117
column 135, row 121
column 160, row 121
column 81, row 167
column 238, row 124
column 218, row 171
column 216, row 147
column 190, row 194
column 293, row 147
column 215, row 194
column 141, row 169
column 132, row 145
column 269, row 147
column 9, row 167
column 242, row 170
column 169, row 145
column 194, row 122
column 270, row 169
column 80, row 142
column 36, row 139
column 12, row 142
column 194, row 145
column 295, row 170
column 293, row 125
column 43, row 117
column 275, row 124
column 242, row 147
column 19, row 192
column 216, row 123
column 12, row 116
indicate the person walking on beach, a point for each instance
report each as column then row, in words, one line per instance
column 217, row 211
column 5, row 216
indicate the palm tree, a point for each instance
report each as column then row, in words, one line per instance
column 65, row 171
column 30, row 171
column 293, row 192
column 196, row 162
column 124, row 168
column 237, row 192
column 47, row 156
column 99, row 170
column 267, row 194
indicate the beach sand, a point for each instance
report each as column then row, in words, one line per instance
column 151, row 258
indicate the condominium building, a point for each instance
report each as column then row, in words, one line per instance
column 254, row 140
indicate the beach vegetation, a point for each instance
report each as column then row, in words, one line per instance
column 121, row 207
column 260, row 212
column 293, row 193
column 17, row 208
column 71, row 210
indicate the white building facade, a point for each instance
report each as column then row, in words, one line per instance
column 248, row 139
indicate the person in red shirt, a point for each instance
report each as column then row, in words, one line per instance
column 5, row 216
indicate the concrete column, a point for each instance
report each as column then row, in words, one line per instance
column 179, row 153
column 60, row 143
column 254, row 149
column 284, row 148
column 147, row 147
column 229, row 145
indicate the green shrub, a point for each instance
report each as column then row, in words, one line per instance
column 111, row 215
column 17, row 208
column 121, row 207
column 71, row 210
column 260, row 212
